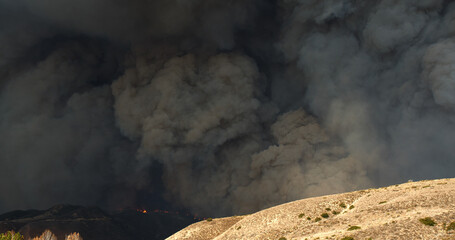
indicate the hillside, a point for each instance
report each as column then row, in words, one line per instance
column 394, row 212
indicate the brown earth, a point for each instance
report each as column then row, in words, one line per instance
column 392, row 212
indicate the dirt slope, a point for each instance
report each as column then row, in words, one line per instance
column 392, row 212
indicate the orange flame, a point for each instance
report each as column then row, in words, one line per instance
column 195, row 216
column 141, row 210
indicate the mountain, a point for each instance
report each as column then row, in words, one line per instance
column 93, row 223
column 413, row 210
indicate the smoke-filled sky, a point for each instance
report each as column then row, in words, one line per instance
column 224, row 106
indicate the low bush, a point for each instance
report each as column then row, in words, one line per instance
column 73, row 236
column 427, row 221
column 47, row 235
column 347, row 238
column 11, row 235
column 351, row 228
column 451, row 226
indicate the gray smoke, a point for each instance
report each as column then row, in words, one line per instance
column 241, row 104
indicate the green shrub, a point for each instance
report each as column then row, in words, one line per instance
column 342, row 205
column 382, row 202
column 308, row 218
column 209, row 219
column 282, row 238
column 325, row 215
column 427, row 221
column 11, row 235
column 451, row 226
column 347, row 238
column 351, row 207
column 301, row 215
column 351, row 228
column 317, row 219
column 328, row 209
column 334, row 212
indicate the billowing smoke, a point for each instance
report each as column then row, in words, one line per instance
column 221, row 107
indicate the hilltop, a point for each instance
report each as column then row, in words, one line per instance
column 413, row 210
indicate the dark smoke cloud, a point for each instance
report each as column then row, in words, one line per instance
column 221, row 107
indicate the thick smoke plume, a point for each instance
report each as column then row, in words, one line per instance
column 221, row 107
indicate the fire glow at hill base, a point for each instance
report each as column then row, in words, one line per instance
column 195, row 217
column 221, row 107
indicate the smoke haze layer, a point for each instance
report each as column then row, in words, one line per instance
column 221, row 107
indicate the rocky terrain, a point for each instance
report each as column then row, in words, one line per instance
column 94, row 224
column 413, row 210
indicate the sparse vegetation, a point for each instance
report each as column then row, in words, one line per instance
column 451, row 226
column 328, row 209
column 11, row 235
column 47, row 235
column 317, row 219
column 334, row 212
column 308, row 218
column 427, row 221
column 342, row 205
column 351, row 207
column 351, row 228
column 73, row 236
column 301, row 215
column 325, row 215
column 347, row 238
column 209, row 219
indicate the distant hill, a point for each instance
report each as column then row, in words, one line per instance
column 93, row 223
column 414, row 210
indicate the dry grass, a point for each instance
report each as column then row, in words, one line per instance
column 397, row 218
